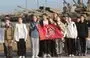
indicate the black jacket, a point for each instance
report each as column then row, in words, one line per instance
column 82, row 29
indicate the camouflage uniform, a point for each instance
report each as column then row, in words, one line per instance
column 8, row 42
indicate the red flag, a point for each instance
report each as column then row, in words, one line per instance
column 50, row 32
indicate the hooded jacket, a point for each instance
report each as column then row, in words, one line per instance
column 71, row 30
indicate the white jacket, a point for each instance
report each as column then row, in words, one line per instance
column 71, row 30
column 20, row 32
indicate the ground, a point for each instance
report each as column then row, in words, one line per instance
column 29, row 56
column 88, row 56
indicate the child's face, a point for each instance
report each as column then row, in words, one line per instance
column 69, row 19
column 44, row 17
column 55, row 15
column 20, row 20
column 58, row 19
column 51, row 20
column 82, row 18
column 78, row 20
column 7, row 22
column 35, row 18
column 66, row 19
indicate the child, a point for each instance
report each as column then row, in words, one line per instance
column 34, row 36
column 45, row 45
column 20, row 37
column 82, row 34
column 59, row 42
column 8, row 38
column 71, row 36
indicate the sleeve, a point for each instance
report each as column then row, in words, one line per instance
column 12, row 29
column 32, row 26
column 86, row 28
column 26, row 32
column 76, row 33
column 16, row 33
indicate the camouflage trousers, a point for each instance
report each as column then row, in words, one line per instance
column 8, row 51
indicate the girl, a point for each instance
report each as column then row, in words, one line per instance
column 45, row 44
column 20, row 37
column 59, row 42
column 34, row 36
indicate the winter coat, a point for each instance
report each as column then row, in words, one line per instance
column 82, row 29
column 71, row 30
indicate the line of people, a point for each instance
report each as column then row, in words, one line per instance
column 73, row 32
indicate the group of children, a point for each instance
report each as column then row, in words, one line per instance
column 47, row 48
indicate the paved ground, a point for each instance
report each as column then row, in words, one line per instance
column 29, row 56
column 88, row 56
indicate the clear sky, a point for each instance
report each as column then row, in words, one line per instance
column 11, row 5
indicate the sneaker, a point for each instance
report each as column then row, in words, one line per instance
column 72, row 55
column 37, row 57
column 49, row 55
column 23, row 56
column 20, row 56
column 45, row 56
column 33, row 57
column 83, row 54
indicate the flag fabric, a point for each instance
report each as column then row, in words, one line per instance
column 49, row 32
